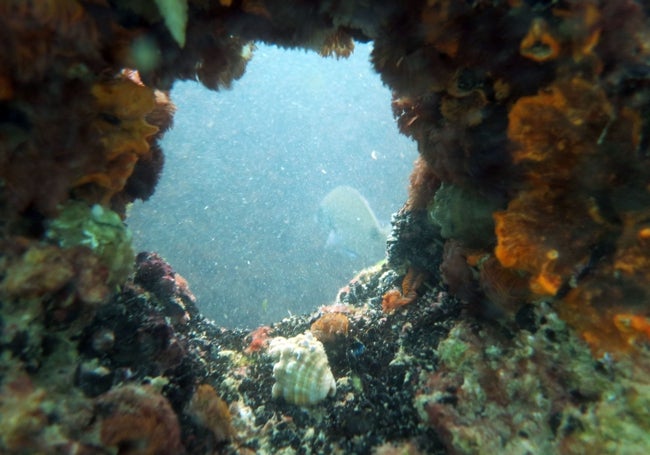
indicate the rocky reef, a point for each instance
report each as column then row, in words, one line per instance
column 511, row 314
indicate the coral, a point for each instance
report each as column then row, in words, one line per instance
column 556, row 158
column 212, row 412
column 330, row 327
column 138, row 420
column 100, row 230
column 302, row 372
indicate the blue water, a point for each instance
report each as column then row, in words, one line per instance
column 235, row 209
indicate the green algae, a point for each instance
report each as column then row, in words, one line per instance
column 531, row 392
column 99, row 229
column 452, row 350
column 464, row 214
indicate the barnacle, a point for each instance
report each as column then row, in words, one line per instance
column 539, row 44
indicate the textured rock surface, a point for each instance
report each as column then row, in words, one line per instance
column 539, row 107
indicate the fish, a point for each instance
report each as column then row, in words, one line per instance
column 353, row 228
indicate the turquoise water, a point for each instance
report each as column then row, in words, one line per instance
column 235, row 210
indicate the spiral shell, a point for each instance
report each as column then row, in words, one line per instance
column 302, row 373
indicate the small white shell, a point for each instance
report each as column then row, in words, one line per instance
column 302, row 373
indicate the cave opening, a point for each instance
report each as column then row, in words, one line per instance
column 512, row 314
column 237, row 207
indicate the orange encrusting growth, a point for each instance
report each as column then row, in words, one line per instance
column 211, row 411
column 394, row 298
column 139, row 420
column 539, row 44
column 555, row 227
column 634, row 326
column 330, row 327
column 555, row 124
column 122, row 131
column 549, row 155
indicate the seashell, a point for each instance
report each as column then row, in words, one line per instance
column 302, row 373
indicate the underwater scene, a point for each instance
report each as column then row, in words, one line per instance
column 275, row 192
column 324, row 227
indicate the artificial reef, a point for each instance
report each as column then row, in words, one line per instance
column 511, row 316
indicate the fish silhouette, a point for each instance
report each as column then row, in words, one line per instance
column 353, row 229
